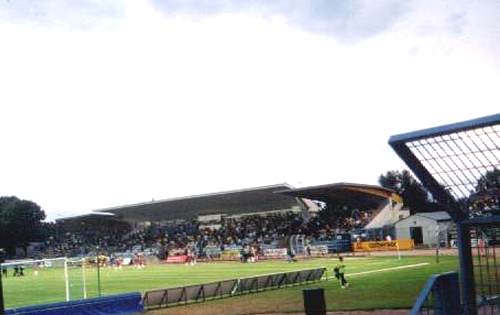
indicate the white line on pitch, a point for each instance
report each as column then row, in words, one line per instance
column 384, row 269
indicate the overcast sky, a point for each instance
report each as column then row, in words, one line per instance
column 105, row 103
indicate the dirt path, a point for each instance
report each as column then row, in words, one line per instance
column 379, row 312
column 374, row 312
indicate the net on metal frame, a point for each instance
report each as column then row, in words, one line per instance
column 462, row 160
column 460, row 165
column 459, row 160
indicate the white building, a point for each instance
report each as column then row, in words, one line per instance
column 425, row 228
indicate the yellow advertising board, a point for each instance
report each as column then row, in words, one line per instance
column 230, row 254
column 383, row 245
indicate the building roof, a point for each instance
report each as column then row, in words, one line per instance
column 89, row 219
column 256, row 199
column 436, row 216
column 87, row 216
column 357, row 195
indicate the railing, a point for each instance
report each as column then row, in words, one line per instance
column 440, row 296
column 227, row 288
column 488, row 305
column 485, row 249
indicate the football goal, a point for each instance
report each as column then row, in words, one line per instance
column 48, row 280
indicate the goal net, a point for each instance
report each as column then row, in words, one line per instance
column 28, row 282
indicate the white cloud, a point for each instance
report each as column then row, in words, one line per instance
column 82, row 14
column 156, row 105
column 348, row 20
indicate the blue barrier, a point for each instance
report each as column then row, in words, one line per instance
column 122, row 304
column 440, row 295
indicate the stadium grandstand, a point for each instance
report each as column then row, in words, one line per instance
column 260, row 219
column 375, row 209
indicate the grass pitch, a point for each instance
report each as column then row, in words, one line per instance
column 381, row 289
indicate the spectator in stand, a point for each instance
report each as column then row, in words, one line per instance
column 175, row 237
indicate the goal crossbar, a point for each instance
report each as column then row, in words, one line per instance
column 32, row 261
column 64, row 260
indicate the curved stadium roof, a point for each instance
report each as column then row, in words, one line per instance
column 249, row 200
column 257, row 199
column 357, row 195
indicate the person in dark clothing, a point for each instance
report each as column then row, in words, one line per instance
column 290, row 254
column 308, row 250
column 339, row 271
column 245, row 253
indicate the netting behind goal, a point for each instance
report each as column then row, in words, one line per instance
column 28, row 282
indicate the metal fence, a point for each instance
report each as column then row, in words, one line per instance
column 460, row 165
column 226, row 288
column 486, row 267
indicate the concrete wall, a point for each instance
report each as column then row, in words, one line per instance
column 429, row 229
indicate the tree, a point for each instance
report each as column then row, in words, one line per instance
column 489, row 181
column 415, row 196
column 20, row 223
column 487, row 194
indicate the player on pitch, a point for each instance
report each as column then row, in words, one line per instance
column 339, row 271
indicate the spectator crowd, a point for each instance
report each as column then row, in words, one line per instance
column 170, row 239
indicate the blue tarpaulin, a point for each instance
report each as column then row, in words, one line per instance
column 122, row 304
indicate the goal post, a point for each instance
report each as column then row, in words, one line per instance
column 66, row 279
column 77, row 278
column 70, row 273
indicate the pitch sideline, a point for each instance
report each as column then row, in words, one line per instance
column 383, row 269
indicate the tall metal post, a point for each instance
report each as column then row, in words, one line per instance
column 467, row 290
column 437, row 253
column 2, row 312
column 84, row 282
column 2, row 306
column 98, row 275
column 438, row 241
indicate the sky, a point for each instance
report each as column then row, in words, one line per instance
column 107, row 103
